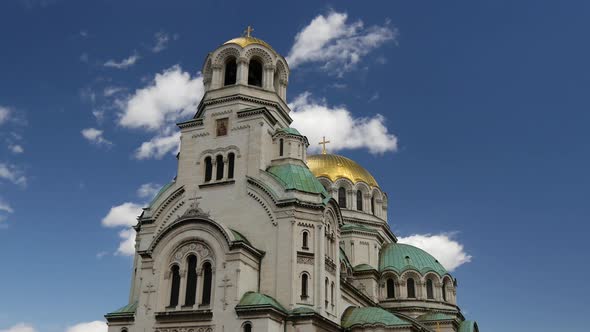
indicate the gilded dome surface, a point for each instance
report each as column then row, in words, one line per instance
column 245, row 41
column 335, row 167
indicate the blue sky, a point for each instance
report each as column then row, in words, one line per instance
column 484, row 142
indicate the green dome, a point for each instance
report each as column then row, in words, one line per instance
column 370, row 316
column 402, row 257
column 289, row 130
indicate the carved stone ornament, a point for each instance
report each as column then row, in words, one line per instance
column 186, row 329
column 197, row 248
column 194, row 211
column 305, row 260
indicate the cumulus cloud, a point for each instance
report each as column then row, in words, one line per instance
column 159, row 146
column 170, row 96
column 4, row 206
column 15, row 148
column 95, row 326
column 122, row 215
column 4, row 114
column 123, row 64
column 337, row 44
column 450, row 253
column 95, row 136
column 316, row 119
column 21, row 327
column 162, row 40
column 127, row 245
column 12, row 174
column 112, row 90
column 148, row 190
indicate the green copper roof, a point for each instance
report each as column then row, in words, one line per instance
column 258, row 300
column 434, row 317
column 289, row 130
column 363, row 267
column 297, row 177
column 370, row 316
column 162, row 190
column 302, row 310
column 401, row 257
column 358, row 227
column 468, row 326
column 123, row 311
column 240, row 237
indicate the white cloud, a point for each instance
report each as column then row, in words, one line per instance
column 443, row 247
column 96, row 326
column 12, row 174
column 172, row 95
column 21, row 327
column 4, row 114
column 316, row 119
column 148, row 190
column 4, row 206
column 15, row 148
column 95, row 136
column 159, row 146
column 122, row 215
column 335, row 43
column 162, row 40
column 123, row 64
column 112, row 90
column 127, row 245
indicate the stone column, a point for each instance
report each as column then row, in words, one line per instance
column 182, row 290
column 320, row 270
column 267, row 80
column 283, row 88
column 242, row 74
column 216, row 79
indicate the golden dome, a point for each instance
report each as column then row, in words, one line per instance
column 335, row 167
column 245, row 41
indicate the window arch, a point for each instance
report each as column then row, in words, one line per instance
column 390, row 288
column 208, row 169
column 207, row 280
column 248, row 327
column 332, row 293
column 342, row 197
column 175, row 285
column 191, row 281
column 411, row 288
column 219, row 163
column 255, row 73
column 305, row 240
column 231, row 70
column 281, row 147
column 231, row 160
column 373, row 204
column 444, row 291
column 429, row 289
column 326, row 286
column 359, row 200
column 304, row 285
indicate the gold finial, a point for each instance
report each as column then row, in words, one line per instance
column 248, row 31
column 437, row 326
column 323, row 144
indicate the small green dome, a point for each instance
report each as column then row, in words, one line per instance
column 402, row 257
column 370, row 316
column 289, row 130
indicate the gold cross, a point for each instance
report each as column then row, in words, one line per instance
column 323, row 144
column 248, row 31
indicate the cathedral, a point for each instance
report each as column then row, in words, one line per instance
column 253, row 234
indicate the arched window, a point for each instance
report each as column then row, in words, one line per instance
column 208, row 169
column 231, row 70
column 390, row 289
column 429, row 289
column 175, row 288
column 444, row 291
column 219, row 163
column 411, row 288
column 191, row 281
column 281, row 147
column 359, row 200
column 304, row 282
column 207, row 280
column 231, row 159
column 373, row 205
column 342, row 197
column 332, row 293
column 247, row 327
column 255, row 73
column 305, row 240
column 326, row 286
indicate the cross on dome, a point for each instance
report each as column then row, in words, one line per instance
column 248, row 31
column 323, row 144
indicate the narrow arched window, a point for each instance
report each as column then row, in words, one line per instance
column 281, row 147
column 342, row 197
column 429, row 289
column 255, row 73
column 444, row 291
column 208, row 169
column 326, row 286
column 359, row 200
column 175, row 286
column 219, row 163
column 373, row 205
column 332, row 293
column 207, row 280
column 390, row 289
column 304, row 283
column 191, row 281
column 305, row 240
column 411, row 288
column 231, row 159
column 247, row 327
column 231, row 70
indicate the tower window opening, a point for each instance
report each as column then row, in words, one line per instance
column 255, row 73
column 231, row 70
column 342, row 197
column 191, row 281
column 305, row 241
column 219, row 163
column 208, row 169
column 444, row 291
column 373, row 205
column 326, row 291
column 359, row 200
column 390, row 289
column 281, row 147
column 247, row 327
column 231, row 158
column 429, row 290
column 304, row 282
column 175, row 286
column 411, row 288
column 207, row 280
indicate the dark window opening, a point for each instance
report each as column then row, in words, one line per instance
column 175, row 288
column 304, row 280
column 208, row 169
column 411, row 288
column 373, row 205
column 207, row 279
column 444, row 292
column 231, row 70
column 230, row 165
column 247, row 327
column 255, row 73
column 359, row 200
column 191, row 281
column 219, row 163
column 281, row 143
column 429, row 289
column 342, row 197
column 390, row 289
column 305, row 240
